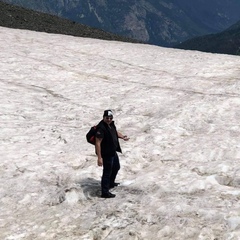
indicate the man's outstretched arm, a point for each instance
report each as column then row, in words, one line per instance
column 124, row 137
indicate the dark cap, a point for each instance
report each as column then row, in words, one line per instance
column 108, row 113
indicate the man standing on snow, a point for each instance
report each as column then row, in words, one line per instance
column 107, row 146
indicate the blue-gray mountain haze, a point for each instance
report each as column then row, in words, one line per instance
column 159, row 22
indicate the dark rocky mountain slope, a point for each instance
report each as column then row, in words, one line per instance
column 160, row 22
column 17, row 17
column 227, row 42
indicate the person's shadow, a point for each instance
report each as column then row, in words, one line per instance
column 90, row 187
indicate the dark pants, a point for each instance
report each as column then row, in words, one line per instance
column 111, row 166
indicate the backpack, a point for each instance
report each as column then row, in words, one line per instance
column 90, row 136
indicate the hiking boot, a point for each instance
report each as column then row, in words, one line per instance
column 114, row 185
column 108, row 195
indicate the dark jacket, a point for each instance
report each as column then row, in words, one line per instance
column 108, row 147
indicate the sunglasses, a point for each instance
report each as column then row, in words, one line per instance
column 109, row 118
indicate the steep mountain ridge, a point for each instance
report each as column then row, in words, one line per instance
column 162, row 22
column 17, row 17
column 227, row 42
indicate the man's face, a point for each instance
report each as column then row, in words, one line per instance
column 108, row 119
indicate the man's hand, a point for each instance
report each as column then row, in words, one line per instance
column 100, row 162
column 125, row 138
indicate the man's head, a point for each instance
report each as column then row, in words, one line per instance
column 107, row 116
